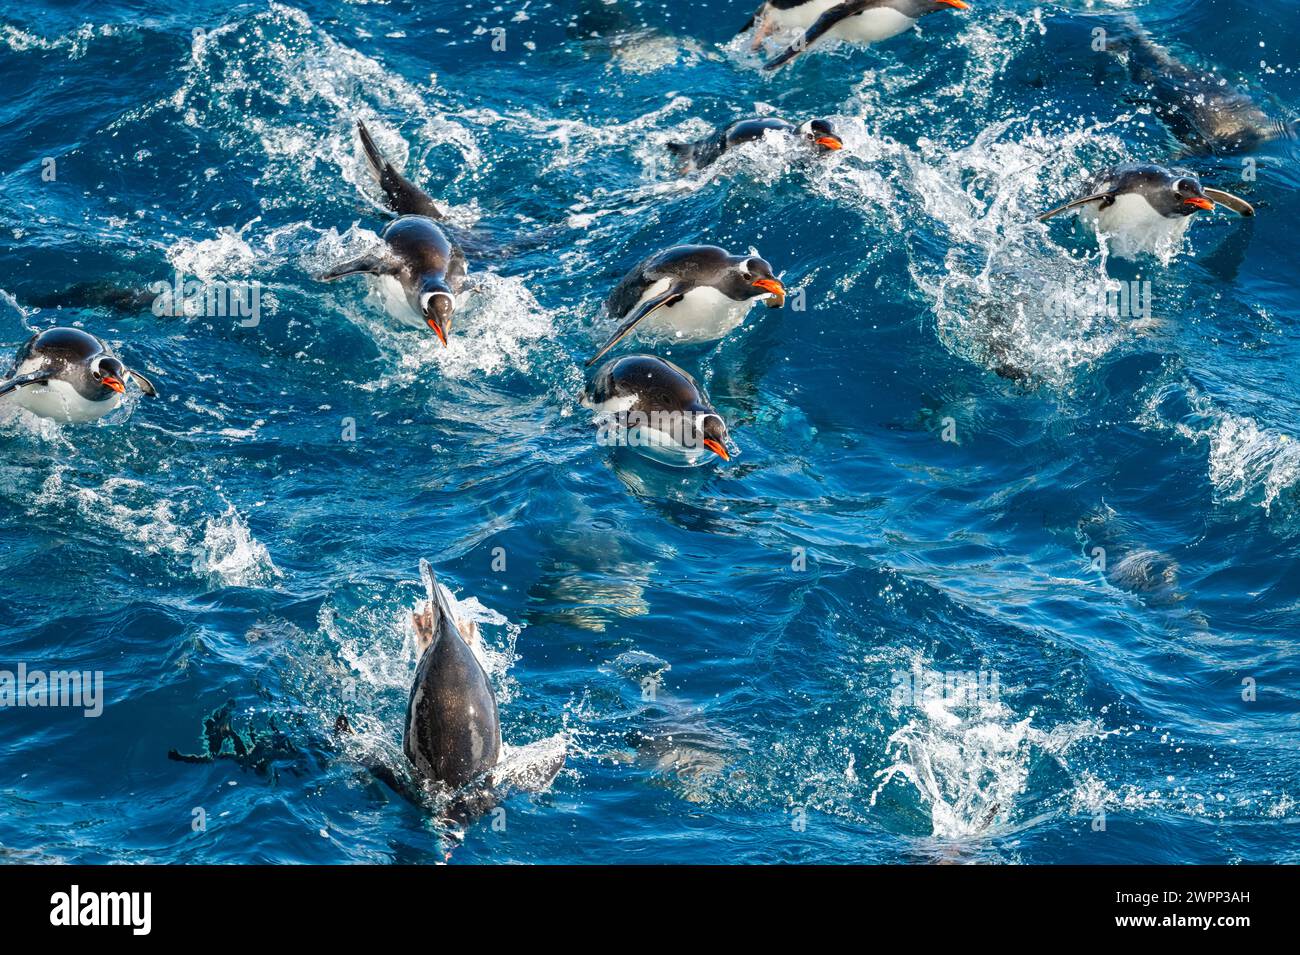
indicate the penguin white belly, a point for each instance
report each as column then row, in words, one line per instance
column 800, row 17
column 59, row 400
column 1134, row 226
column 872, row 26
column 392, row 296
column 666, row 448
column 704, row 314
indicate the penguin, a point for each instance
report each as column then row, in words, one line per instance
column 818, row 133
column 694, row 293
column 69, row 375
column 1206, row 114
column 1146, row 207
column 453, row 732
column 657, row 408
column 864, row 21
column 419, row 271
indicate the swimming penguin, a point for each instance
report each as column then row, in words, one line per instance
column 818, row 133
column 1146, row 207
column 864, row 21
column 657, row 408
column 1203, row 111
column 694, row 293
column 453, row 734
column 419, row 266
column 69, row 375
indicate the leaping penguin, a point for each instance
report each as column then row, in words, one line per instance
column 69, row 375
column 862, row 21
column 817, row 133
column 419, row 264
column 1146, row 207
column 690, row 293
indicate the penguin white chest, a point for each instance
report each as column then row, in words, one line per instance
column 872, row 26
column 392, row 296
column 59, row 400
column 801, row 17
column 1134, row 226
column 702, row 314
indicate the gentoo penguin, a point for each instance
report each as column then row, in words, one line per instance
column 69, row 375
column 818, row 133
column 690, row 293
column 655, row 407
column 419, row 266
column 1208, row 115
column 453, row 734
column 864, row 21
column 1146, row 207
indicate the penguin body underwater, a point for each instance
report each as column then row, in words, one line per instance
column 654, row 406
column 817, row 133
column 863, row 21
column 690, row 293
column 71, row 376
column 420, row 271
column 1205, row 113
column 1146, row 207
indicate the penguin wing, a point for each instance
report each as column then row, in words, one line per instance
column 1237, row 205
column 404, row 197
column 1096, row 197
column 825, row 22
column 13, row 384
column 373, row 264
column 670, row 297
column 145, row 384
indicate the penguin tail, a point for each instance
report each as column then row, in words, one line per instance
column 681, row 151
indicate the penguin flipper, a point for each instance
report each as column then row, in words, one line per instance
column 372, row 264
column 670, row 297
column 145, row 384
column 13, row 384
column 404, row 197
column 1236, row 204
column 826, row 22
column 1098, row 197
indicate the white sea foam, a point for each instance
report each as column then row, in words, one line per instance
column 1246, row 461
column 968, row 760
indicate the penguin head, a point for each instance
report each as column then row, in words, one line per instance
column 437, row 306
column 713, row 434
column 820, row 133
column 1188, row 197
column 109, row 374
column 751, row 277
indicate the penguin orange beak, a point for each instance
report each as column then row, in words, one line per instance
column 717, row 449
column 442, row 336
column 773, row 286
column 956, row 4
column 111, row 382
column 830, row 142
column 1200, row 203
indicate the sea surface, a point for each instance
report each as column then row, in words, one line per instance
column 1088, row 524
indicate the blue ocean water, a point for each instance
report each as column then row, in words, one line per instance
column 1107, row 541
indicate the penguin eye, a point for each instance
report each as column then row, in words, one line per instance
column 1185, row 185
